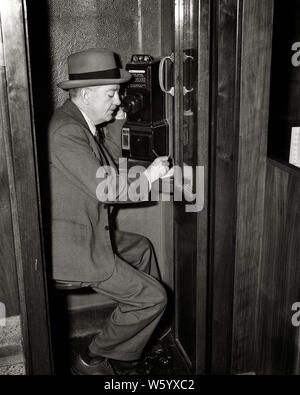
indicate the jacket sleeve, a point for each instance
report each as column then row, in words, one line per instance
column 71, row 153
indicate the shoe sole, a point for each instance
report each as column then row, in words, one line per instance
column 75, row 372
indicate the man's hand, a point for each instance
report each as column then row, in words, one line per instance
column 158, row 168
column 121, row 114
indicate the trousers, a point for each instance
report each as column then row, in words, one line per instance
column 141, row 299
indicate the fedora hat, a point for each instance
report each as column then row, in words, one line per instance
column 93, row 67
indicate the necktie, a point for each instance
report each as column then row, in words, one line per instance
column 99, row 135
column 100, row 138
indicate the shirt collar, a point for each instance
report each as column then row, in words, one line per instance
column 89, row 122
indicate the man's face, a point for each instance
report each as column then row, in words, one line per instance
column 102, row 101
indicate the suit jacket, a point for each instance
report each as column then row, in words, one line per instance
column 81, row 244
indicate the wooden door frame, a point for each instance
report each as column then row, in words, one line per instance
column 234, row 69
column 19, row 137
column 204, row 71
column 200, row 365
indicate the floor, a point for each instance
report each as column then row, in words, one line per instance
column 11, row 351
column 160, row 358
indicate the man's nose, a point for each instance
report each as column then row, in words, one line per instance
column 117, row 100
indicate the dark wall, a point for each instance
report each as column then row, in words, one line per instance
column 285, row 82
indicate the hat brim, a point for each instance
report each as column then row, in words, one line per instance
column 125, row 76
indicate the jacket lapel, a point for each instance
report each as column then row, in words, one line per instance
column 100, row 152
column 72, row 110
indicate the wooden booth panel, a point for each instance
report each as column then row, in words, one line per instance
column 223, row 183
column 8, row 276
column 240, row 89
column 278, row 346
column 256, row 49
column 221, row 248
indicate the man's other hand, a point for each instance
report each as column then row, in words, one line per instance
column 121, row 114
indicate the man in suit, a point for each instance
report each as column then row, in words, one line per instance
column 86, row 251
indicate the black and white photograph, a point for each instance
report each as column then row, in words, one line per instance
column 149, row 190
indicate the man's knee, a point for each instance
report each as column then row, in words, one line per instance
column 161, row 298
column 145, row 245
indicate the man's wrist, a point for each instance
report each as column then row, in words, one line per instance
column 148, row 178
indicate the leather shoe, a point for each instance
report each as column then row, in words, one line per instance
column 125, row 367
column 95, row 366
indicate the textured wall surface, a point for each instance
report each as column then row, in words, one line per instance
column 151, row 27
column 112, row 24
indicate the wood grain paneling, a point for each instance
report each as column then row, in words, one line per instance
column 235, row 60
column 204, row 64
column 24, row 198
column 253, row 126
column 8, row 279
column 277, row 346
column 242, row 57
column 223, row 208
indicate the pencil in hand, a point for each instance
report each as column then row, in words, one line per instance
column 155, row 153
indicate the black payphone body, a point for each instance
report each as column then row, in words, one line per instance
column 145, row 134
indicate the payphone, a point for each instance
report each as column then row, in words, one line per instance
column 145, row 133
